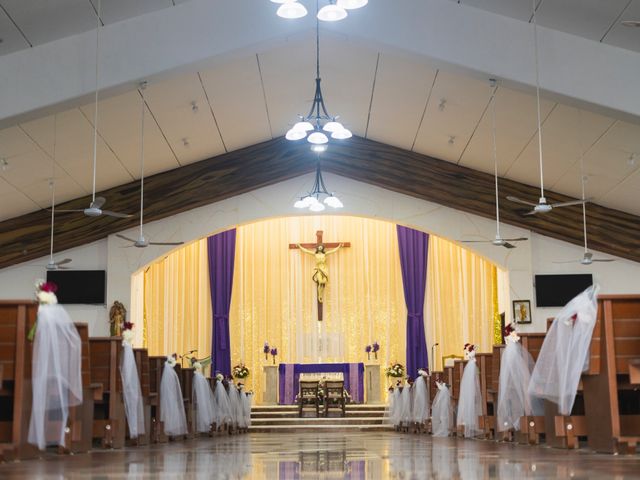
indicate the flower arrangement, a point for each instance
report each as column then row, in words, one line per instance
column 200, row 364
column 172, row 360
column 469, row 351
column 368, row 350
column 46, row 292
column 395, row 370
column 46, row 295
column 274, row 354
column 375, row 348
column 219, row 377
column 127, row 333
column 510, row 334
column 266, row 349
column 441, row 385
column 240, row 371
column 423, row 372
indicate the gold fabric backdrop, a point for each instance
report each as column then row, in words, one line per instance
column 274, row 298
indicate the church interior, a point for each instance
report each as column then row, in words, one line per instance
column 319, row 239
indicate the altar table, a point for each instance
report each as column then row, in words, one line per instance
column 289, row 378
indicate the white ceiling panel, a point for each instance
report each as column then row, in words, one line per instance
column 236, row 97
column 347, row 73
column 566, row 133
column 520, row 9
column 516, row 123
column 626, row 37
column 626, row 195
column 170, row 102
column 14, row 142
column 465, row 99
column 585, row 18
column 596, row 185
column 117, row 10
column 11, row 38
column 13, row 202
column 119, row 125
column 45, row 21
column 401, row 91
column 74, row 150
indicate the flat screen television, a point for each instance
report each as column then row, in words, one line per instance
column 558, row 290
column 79, row 286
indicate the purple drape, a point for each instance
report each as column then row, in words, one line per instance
column 414, row 252
column 221, row 251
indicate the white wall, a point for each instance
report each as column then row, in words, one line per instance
column 534, row 256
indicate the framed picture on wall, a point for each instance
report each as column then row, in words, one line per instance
column 522, row 311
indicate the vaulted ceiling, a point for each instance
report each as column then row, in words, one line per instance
column 246, row 86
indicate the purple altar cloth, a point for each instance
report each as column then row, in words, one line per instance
column 289, row 379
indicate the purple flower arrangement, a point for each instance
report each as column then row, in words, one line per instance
column 274, row 354
column 374, row 348
column 266, row 349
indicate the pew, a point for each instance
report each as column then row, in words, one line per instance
column 485, row 369
column 493, row 387
column 458, row 369
column 16, row 318
column 109, row 422
column 611, row 385
column 148, row 398
column 185, row 375
column 156, row 364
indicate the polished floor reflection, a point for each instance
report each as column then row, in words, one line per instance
column 328, row 455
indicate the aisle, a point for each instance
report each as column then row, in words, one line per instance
column 343, row 455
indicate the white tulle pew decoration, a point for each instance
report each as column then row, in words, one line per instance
column 203, row 400
column 247, row 398
column 442, row 412
column 565, row 352
column 392, row 406
column 236, row 405
column 514, row 400
column 406, row 417
column 223, row 407
column 56, row 370
column 172, row 401
column 131, row 391
column 470, row 399
column 420, row 410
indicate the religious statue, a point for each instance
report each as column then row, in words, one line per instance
column 320, row 271
column 117, row 317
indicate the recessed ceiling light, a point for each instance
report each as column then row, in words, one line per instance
column 194, row 106
column 442, row 105
column 452, row 139
column 632, row 160
column 4, row 164
column 185, row 142
column 631, row 23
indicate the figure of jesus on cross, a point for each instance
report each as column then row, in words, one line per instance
column 320, row 251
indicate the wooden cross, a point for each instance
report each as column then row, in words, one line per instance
column 314, row 246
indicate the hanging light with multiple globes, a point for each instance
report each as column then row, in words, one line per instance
column 334, row 11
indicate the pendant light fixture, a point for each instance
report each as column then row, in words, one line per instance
column 334, row 11
column 318, row 125
column 319, row 196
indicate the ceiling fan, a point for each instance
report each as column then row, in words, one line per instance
column 498, row 240
column 587, row 258
column 542, row 206
column 95, row 207
column 142, row 241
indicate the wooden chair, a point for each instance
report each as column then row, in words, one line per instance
column 156, row 364
column 334, row 397
column 611, row 385
column 141, row 356
column 16, row 318
column 309, row 396
column 109, row 422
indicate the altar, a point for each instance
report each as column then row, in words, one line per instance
column 289, row 378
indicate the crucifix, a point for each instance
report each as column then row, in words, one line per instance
column 320, row 250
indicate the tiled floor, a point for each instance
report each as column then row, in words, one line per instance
column 330, row 455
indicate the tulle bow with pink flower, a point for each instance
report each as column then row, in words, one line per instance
column 469, row 351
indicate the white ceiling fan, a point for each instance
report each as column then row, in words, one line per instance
column 587, row 258
column 53, row 265
column 142, row 241
column 95, row 207
column 542, row 206
column 498, row 240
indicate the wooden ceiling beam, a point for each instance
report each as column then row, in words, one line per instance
column 27, row 237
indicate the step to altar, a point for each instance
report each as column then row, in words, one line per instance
column 285, row 418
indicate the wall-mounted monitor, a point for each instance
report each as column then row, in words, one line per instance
column 79, row 286
column 558, row 290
